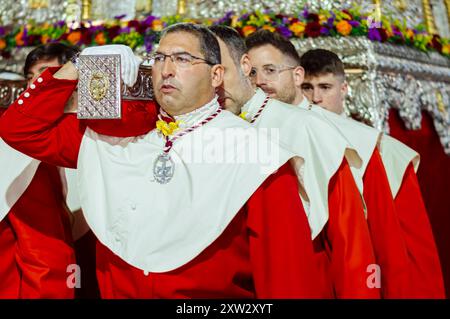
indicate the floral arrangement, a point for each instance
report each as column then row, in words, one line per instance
column 305, row 24
column 338, row 23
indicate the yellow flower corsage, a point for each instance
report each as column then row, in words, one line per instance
column 244, row 116
column 167, row 129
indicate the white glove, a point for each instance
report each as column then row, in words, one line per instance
column 128, row 61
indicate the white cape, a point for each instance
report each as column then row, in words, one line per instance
column 317, row 143
column 17, row 173
column 160, row 227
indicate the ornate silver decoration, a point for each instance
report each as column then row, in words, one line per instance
column 142, row 89
column 382, row 76
column 99, row 87
column 163, row 168
column 10, row 91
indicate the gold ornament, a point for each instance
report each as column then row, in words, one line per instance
column 86, row 6
column 182, row 7
column 429, row 18
column 440, row 103
column 98, row 86
column 401, row 5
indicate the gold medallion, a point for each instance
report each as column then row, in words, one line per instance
column 98, row 86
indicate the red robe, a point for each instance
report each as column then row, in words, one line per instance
column 387, row 238
column 426, row 273
column 9, row 272
column 44, row 242
column 344, row 249
column 265, row 252
column 36, row 241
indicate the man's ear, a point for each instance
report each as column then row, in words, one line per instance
column 246, row 65
column 344, row 89
column 299, row 76
column 217, row 72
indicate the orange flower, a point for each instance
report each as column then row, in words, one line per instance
column 18, row 37
column 410, row 34
column 74, row 37
column 344, row 28
column 2, row 44
column 297, row 28
column 268, row 27
column 45, row 38
column 157, row 25
column 247, row 30
column 100, row 38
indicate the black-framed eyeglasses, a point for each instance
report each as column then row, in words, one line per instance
column 180, row 59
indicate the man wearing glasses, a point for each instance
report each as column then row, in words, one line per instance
column 169, row 226
column 396, row 235
column 343, row 248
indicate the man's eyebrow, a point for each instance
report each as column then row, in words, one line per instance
column 176, row 52
column 270, row 64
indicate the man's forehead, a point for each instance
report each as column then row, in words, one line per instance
column 179, row 41
column 326, row 78
column 43, row 64
column 266, row 54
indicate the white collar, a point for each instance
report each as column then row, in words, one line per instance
column 252, row 106
column 196, row 116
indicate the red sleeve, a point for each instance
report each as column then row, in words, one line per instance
column 388, row 243
column 426, row 270
column 35, row 124
column 280, row 240
column 351, row 250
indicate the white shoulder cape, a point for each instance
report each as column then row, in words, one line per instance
column 160, row 227
column 396, row 158
column 360, row 137
column 17, row 173
column 317, row 143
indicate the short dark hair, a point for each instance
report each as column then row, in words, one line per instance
column 48, row 52
column 209, row 46
column 264, row 37
column 232, row 39
column 320, row 61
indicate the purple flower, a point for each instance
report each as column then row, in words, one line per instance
column 149, row 20
column 96, row 28
column 324, row 31
column 305, row 12
column 225, row 18
column 125, row 30
column 374, row 35
column 354, row 23
column 330, row 23
column 396, row 32
column 2, row 31
column 60, row 23
column 148, row 43
column 244, row 16
column 284, row 31
column 120, row 17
